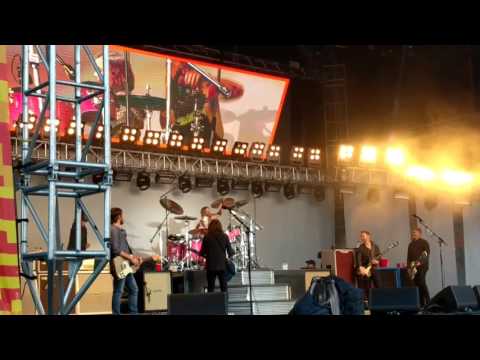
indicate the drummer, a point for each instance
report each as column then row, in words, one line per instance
column 206, row 216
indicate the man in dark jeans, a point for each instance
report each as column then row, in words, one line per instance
column 214, row 246
column 121, row 248
column 415, row 250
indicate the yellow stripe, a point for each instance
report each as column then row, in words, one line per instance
column 3, row 54
column 9, row 226
column 8, row 260
column 17, row 307
column 6, row 191
column 9, row 282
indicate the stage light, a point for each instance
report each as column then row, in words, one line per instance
column 373, row 195
column 239, row 149
column 313, row 157
column 273, row 186
column 219, row 147
column 165, row 177
column 197, row 144
column 257, row 189
column 457, row 178
column 99, row 132
column 296, row 155
column 184, row 183
column 31, row 119
column 122, row 175
column 368, row 154
column 395, row 156
column 129, row 135
column 289, row 191
column 319, row 193
column 71, row 128
column 223, row 186
column 143, row 180
column 273, row 154
column 256, row 151
column 175, row 140
column 151, row 138
column 240, row 184
column 421, row 173
column 345, row 153
column 46, row 128
column 203, row 182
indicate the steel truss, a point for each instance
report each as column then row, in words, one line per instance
column 137, row 160
column 53, row 169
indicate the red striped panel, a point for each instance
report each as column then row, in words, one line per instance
column 7, row 209
column 6, row 270
column 6, row 299
column 2, row 182
column 5, row 247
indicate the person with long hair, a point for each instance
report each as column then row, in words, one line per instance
column 215, row 245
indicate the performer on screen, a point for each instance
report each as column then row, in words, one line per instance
column 190, row 91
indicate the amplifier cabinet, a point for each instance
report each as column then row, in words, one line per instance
column 157, row 287
column 340, row 262
column 98, row 298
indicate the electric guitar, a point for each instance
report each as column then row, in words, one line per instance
column 123, row 267
column 368, row 269
column 413, row 268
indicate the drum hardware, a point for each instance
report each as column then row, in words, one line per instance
column 185, row 218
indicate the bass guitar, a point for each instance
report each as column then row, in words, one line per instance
column 122, row 267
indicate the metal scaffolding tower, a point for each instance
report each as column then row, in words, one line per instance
column 54, row 171
column 335, row 111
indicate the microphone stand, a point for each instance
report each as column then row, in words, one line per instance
column 250, row 298
column 441, row 242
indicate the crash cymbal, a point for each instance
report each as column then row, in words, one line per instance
column 241, row 203
column 216, row 204
column 171, row 206
column 228, row 203
column 185, row 218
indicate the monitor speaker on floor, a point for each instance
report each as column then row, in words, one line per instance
column 198, row 304
column 476, row 290
column 453, row 299
column 394, row 300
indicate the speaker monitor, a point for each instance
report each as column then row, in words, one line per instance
column 385, row 300
column 454, row 299
column 197, row 304
column 476, row 290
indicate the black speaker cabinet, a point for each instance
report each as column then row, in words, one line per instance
column 454, row 299
column 389, row 300
column 197, row 304
column 476, row 290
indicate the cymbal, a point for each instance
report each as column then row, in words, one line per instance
column 241, row 203
column 138, row 101
column 226, row 203
column 185, row 218
column 171, row 206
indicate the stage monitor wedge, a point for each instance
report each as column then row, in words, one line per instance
column 197, row 304
column 453, row 299
column 394, row 300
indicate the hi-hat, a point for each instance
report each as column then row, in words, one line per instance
column 185, row 218
column 171, row 206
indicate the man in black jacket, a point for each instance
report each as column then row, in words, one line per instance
column 415, row 250
column 214, row 246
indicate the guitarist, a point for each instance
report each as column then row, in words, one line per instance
column 120, row 247
column 415, row 249
column 365, row 255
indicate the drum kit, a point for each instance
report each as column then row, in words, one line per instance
column 183, row 249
